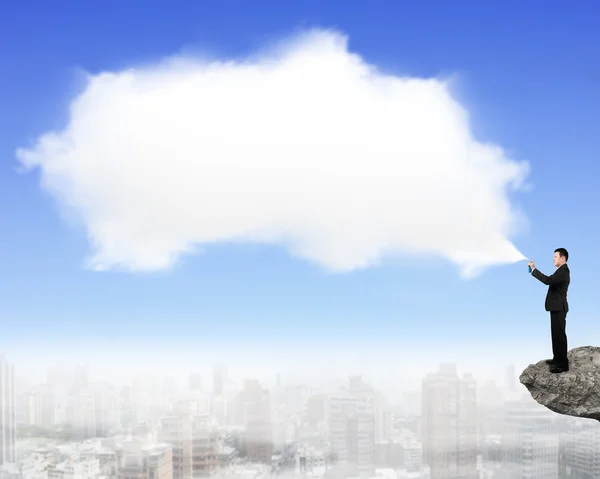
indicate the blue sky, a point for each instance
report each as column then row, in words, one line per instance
column 527, row 74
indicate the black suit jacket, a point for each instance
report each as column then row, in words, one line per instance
column 558, row 284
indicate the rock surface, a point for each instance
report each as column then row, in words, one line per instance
column 575, row 392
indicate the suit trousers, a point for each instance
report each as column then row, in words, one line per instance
column 558, row 323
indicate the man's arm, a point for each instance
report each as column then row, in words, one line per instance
column 558, row 276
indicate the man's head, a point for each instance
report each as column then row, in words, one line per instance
column 561, row 256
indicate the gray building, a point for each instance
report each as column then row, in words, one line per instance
column 449, row 433
column 530, row 443
column 7, row 413
column 350, row 421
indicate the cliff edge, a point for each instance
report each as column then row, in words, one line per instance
column 575, row 392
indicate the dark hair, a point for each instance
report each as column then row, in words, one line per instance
column 562, row 252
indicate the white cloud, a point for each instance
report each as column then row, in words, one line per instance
column 305, row 145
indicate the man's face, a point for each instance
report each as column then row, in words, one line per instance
column 558, row 259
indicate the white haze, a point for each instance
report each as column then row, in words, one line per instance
column 304, row 145
column 324, row 363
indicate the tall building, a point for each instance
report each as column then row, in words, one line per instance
column 107, row 409
column 350, row 424
column 530, row 442
column 582, row 449
column 314, row 411
column 511, row 379
column 82, row 415
column 7, row 413
column 254, row 407
column 219, row 409
column 29, row 407
column 288, row 403
column 219, row 379
column 450, row 424
column 381, row 410
column 195, row 440
column 55, row 405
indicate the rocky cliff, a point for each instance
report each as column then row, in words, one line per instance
column 573, row 393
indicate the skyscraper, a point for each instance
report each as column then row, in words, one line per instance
column 195, row 440
column 511, row 379
column 530, row 445
column 219, row 379
column 449, row 424
column 254, row 404
column 350, row 423
column 7, row 412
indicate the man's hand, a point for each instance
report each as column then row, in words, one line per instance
column 531, row 265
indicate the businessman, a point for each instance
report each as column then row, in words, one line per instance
column 556, row 303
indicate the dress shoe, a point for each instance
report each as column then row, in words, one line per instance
column 558, row 369
column 549, row 361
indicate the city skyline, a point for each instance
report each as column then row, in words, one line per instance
column 390, row 450
column 323, row 363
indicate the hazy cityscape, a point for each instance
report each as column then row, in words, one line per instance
column 162, row 426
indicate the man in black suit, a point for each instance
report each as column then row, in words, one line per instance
column 556, row 303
